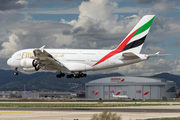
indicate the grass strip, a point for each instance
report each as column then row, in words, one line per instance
column 70, row 100
column 58, row 105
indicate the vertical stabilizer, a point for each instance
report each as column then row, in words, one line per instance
column 135, row 39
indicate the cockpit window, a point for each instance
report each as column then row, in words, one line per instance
column 16, row 55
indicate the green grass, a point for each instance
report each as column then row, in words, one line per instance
column 165, row 119
column 54, row 105
column 67, row 100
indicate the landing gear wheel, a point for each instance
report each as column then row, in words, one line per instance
column 71, row 75
column 16, row 73
column 76, row 75
column 60, row 75
column 79, row 75
column 68, row 76
column 84, row 75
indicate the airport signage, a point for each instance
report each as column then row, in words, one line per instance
column 138, row 91
column 117, row 79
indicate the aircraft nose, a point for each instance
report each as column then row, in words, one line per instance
column 9, row 61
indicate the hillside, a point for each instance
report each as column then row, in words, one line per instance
column 44, row 81
column 47, row 81
column 168, row 76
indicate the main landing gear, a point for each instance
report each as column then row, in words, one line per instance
column 16, row 72
column 79, row 75
column 60, row 75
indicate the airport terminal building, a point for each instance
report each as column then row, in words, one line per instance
column 47, row 94
column 133, row 87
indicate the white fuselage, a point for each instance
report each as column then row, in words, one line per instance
column 119, row 96
column 77, row 60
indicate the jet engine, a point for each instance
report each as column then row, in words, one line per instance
column 29, row 69
column 27, row 63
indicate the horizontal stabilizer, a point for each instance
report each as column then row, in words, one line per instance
column 129, row 55
column 157, row 55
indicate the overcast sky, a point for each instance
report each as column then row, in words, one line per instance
column 92, row 24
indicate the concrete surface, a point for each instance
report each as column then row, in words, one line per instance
column 44, row 115
column 85, row 115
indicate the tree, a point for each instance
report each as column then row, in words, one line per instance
column 105, row 115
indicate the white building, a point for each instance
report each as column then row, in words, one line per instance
column 133, row 87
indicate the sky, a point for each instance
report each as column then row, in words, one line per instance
column 92, row 24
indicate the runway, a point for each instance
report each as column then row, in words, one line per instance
column 126, row 113
column 119, row 109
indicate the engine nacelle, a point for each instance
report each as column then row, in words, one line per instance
column 27, row 63
column 29, row 69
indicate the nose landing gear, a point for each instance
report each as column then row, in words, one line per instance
column 16, row 72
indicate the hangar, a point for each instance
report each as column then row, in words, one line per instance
column 133, row 87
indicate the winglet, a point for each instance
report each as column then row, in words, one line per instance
column 157, row 54
column 42, row 48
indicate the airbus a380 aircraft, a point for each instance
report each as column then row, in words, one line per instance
column 78, row 61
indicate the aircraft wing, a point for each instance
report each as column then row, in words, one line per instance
column 47, row 60
column 129, row 55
